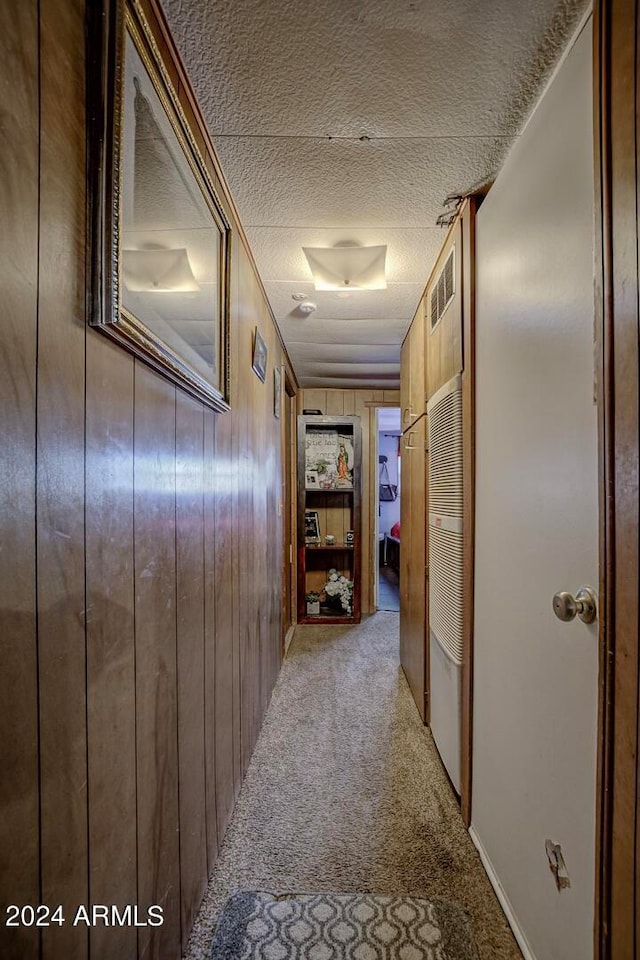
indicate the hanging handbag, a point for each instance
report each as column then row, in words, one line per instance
column 388, row 490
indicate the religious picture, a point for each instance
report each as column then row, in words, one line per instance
column 329, row 460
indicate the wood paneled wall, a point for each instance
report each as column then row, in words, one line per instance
column 141, row 535
column 358, row 403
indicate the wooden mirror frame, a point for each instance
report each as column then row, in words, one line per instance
column 108, row 22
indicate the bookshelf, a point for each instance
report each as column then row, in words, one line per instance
column 329, row 505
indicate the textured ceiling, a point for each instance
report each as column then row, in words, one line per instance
column 351, row 121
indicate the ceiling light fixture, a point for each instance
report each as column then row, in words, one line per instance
column 158, row 271
column 347, row 268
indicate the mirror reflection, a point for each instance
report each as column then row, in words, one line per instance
column 170, row 240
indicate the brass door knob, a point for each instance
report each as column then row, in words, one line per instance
column 566, row 607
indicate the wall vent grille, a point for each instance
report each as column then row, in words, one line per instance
column 446, row 560
column 443, row 291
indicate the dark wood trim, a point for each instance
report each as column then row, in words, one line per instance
column 468, row 218
column 605, row 500
column 616, row 151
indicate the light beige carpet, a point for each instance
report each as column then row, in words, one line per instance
column 345, row 792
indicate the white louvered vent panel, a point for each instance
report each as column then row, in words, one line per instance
column 443, row 291
column 445, row 589
column 445, row 452
column 434, row 307
column 444, row 416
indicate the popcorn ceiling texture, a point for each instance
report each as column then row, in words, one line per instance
column 390, row 68
column 389, row 182
column 438, row 90
column 345, row 792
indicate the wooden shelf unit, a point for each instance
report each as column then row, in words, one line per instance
column 339, row 509
column 330, row 547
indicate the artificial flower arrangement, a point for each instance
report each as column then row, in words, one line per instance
column 339, row 590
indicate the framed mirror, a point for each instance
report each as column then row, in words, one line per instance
column 160, row 239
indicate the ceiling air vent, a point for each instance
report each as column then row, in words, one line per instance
column 443, row 291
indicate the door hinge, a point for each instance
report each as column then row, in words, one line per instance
column 426, row 571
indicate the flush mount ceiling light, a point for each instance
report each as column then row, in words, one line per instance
column 158, row 271
column 347, row 268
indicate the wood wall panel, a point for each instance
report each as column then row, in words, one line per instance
column 156, row 659
column 334, row 403
column 209, row 556
column 60, row 478
column 156, row 520
column 190, row 578
column 239, row 508
column 260, row 493
column 405, row 381
column 413, row 371
column 224, row 616
column 19, row 157
column 111, row 700
column 243, row 560
column 358, row 403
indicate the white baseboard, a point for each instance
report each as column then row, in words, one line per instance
column 505, row 903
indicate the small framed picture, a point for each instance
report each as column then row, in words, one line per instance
column 277, row 392
column 312, row 480
column 311, row 527
column 259, row 356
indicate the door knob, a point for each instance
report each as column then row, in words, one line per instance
column 566, row 607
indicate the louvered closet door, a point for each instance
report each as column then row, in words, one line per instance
column 444, row 413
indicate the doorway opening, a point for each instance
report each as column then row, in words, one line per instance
column 388, row 433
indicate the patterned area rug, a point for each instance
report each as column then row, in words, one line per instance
column 341, row 926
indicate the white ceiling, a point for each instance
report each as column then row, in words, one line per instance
column 438, row 89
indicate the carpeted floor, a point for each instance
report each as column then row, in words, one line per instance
column 345, row 792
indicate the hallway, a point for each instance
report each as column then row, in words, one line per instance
column 388, row 590
column 345, row 791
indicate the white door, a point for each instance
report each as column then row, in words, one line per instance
column 535, row 696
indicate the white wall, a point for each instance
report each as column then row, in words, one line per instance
column 390, row 509
column 535, row 699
